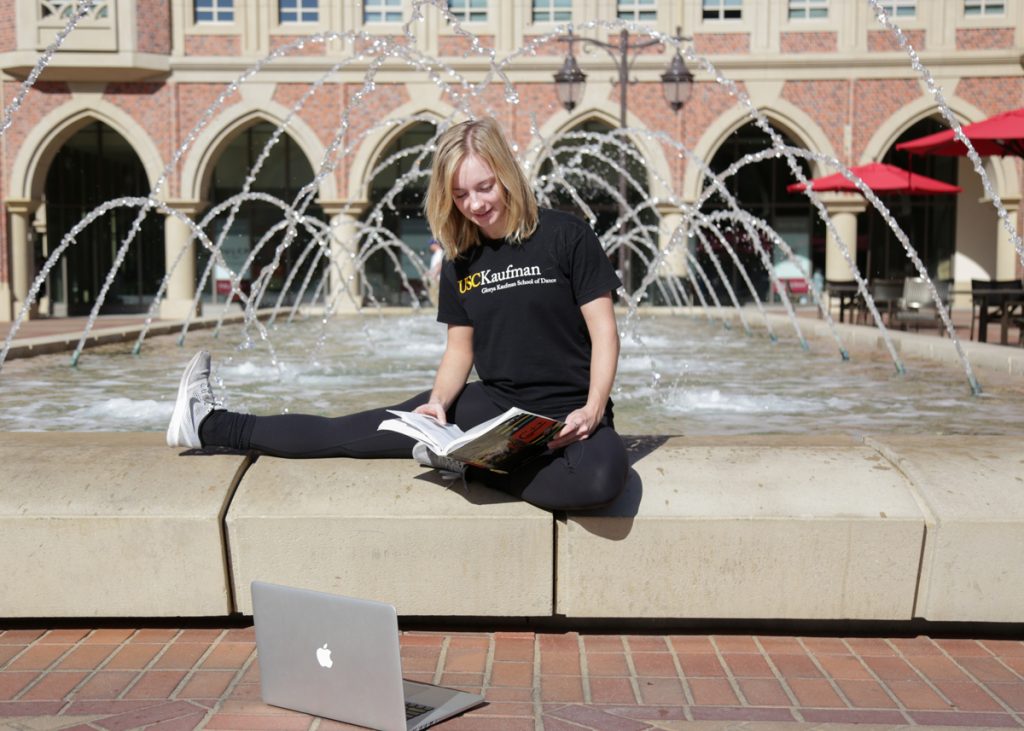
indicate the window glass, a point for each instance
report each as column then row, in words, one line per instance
column 471, row 10
column 298, row 11
column 552, row 11
column 984, row 7
column 723, row 9
column 636, row 10
column 382, row 11
column 900, row 8
column 214, row 11
column 808, row 9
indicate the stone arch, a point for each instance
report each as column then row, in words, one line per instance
column 44, row 141
column 783, row 115
column 1002, row 171
column 368, row 154
column 209, row 145
column 563, row 122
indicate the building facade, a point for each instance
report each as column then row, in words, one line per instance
column 177, row 99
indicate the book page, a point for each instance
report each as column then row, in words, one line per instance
column 425, row 429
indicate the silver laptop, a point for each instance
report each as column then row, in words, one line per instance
column 338, row 657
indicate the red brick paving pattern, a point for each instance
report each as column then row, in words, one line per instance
column 168, row 679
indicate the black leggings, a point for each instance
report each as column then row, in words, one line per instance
column 584, row 475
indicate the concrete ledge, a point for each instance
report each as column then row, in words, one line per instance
column 98, row 525
column 726, row 528
column 748, row 527
column 392, row 531
column 972, row 493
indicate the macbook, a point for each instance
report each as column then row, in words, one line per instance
column 338, row 657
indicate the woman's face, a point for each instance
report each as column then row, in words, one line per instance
column 478, row 196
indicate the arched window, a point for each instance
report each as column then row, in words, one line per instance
column 94, row 166
column 588, row 168
column 397, row 193
column 929, row 221
column 283, row 173
column 760, row 189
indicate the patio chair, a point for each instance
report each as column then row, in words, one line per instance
column 885, row 293
column 845, row 290
column 917, row 307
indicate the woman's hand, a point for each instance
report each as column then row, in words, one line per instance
column 579, row 425
column 433, row 409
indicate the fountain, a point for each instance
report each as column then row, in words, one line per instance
column 329, row 267
column 823, row 472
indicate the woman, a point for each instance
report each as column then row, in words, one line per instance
column 526, row 296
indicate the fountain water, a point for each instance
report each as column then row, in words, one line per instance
column 330, row 268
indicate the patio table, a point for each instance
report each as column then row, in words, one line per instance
column 1010, row 300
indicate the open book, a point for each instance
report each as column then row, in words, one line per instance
column 501, row 444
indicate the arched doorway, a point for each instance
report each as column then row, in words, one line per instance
column 402, row 215
column 94, row 166
column 760, row 189
column 282, row 175
column 590, row 169
column 929, row 221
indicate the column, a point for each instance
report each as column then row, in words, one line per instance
column 19, row 217
column 1007, row 262
column 345, row 285
column 673, row 241
column 181, row 287
column 842, row 209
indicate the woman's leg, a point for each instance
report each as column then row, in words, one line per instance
column 355, row 435
column 585, row 475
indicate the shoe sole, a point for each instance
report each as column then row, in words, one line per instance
column 174, row 436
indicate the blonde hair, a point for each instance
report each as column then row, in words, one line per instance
column 481, row 137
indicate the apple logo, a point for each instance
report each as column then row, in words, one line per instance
column 323, row 656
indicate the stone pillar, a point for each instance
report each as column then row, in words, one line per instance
column 181, row 288
column 842, row 209
column 675, row 259
column 1007, row 261
column 19, row 217
column 345, row 289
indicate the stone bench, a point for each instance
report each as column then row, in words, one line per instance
column 774, row 527
column 112, row 525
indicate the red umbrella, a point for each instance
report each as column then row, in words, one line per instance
column 1002, row 134
column 881, row 178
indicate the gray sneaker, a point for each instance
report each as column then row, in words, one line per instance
column 195, row 401
column 450, row 469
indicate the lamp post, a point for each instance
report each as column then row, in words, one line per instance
column 676, row 85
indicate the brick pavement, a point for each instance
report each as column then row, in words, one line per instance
column 185, row 678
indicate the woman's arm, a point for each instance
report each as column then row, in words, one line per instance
column 604, row 360
column 456, row 363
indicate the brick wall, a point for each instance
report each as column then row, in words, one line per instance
column 980, row 39
column 708, row 102
column 992, row 95
column 373, row 107
column 308, row 49
column 826, row 102
column 548, row 48
column 202, row 45
column 149, row 104
column 874, row 101
column 884, row 40
column 40, row 101
column 709, row 44
column 8, row 33
column 809, row 42
column 153, row 26
column 460, row 45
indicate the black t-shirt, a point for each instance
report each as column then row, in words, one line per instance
column 531, row 346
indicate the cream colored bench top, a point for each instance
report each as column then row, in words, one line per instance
column 772, row 527
column 112, row 525
column 393, row 531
